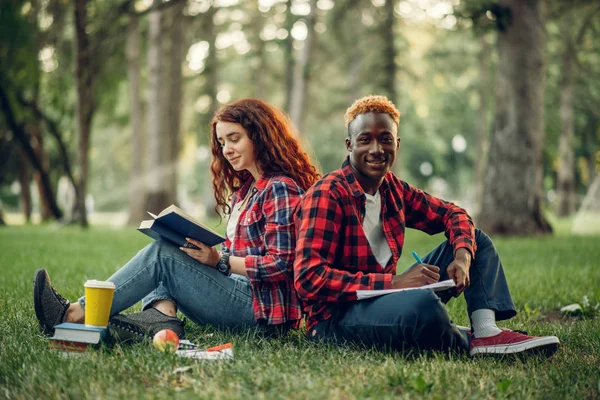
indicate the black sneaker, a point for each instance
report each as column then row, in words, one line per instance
column 143, row 325
column 50, row 307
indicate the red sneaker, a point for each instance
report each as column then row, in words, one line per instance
column 509, row 342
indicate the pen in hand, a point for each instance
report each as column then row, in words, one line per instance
column 416, row 256
column 431, row 268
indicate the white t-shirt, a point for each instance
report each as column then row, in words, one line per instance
column 374, row 229
column 233, row 220
column 236, row 211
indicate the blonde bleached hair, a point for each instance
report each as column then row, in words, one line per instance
column 372, row 103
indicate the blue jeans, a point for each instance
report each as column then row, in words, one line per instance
column 160, row 271
column 418, row 318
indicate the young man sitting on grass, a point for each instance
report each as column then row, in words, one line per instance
column 351, row 234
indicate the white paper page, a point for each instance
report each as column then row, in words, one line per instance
column 225, row 354
column 152, row 215
column 443, row 285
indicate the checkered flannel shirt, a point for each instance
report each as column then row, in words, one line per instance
column 265, row 236
column 333, row 256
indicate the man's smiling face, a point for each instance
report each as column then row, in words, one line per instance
column 372, row 144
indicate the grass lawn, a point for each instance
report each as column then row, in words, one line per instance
column 544, row 273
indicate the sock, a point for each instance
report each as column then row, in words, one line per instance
column 483, row 322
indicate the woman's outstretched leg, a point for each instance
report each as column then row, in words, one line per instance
column 133, row 281
column 202, row 293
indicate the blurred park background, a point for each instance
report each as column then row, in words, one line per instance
column 105, row 104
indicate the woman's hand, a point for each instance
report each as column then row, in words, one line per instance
column 203, row 254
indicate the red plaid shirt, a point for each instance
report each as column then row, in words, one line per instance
column 333, row 256
column 265, row 236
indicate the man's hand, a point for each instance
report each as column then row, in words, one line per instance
column 204, row 254
column 417, row 276
column 458, row 270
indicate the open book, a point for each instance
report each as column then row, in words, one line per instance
column 438, row 286
column 174, row 225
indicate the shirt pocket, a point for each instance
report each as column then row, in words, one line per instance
column 252, row 228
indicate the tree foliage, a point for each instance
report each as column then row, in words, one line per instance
column 428, row 61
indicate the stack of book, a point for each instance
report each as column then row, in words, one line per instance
column 76, row 338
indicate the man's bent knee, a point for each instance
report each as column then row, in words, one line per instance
column 482, row 238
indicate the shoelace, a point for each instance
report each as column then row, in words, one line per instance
column 136, row 330
column 61, row 299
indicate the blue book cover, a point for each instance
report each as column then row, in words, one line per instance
column 174, row 225
column 82, row 333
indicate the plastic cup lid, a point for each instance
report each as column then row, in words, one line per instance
column 93, row 283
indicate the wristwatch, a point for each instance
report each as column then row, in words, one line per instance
column 223, row 264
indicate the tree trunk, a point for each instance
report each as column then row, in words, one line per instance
column 513, row 184
column 85, row 103
column 137, row 188
column 388, row 64
column 52, row 130
column 24, row 180
column 37, row 140
column 173, row 38
column 211, row 66
column 258, row 73
column 37, row 143
column 210, row 88
column 356, row 60
column 2, row 222
column 302, row 71
column 288, row 56
column 566, row 153
column 23, row 139
column 156, row 196
column 590, row 144
column 482, row 122
column 566, row 196
column 389, row 52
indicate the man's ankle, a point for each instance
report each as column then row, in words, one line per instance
column 483, row 323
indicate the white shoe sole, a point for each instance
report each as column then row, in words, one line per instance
column 547, row 344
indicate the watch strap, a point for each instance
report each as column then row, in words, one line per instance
column 223, row 265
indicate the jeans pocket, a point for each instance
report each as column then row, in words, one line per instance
column 243, row 290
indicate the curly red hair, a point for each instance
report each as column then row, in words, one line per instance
column 276, row 149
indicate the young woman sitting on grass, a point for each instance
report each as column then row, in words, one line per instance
column 249, row 283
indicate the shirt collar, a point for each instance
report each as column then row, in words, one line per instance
column 259, row 185
column 355, row 188
column 262, row 182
